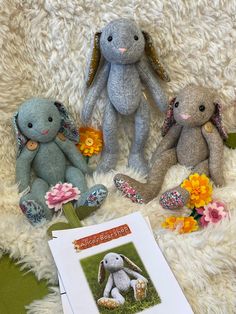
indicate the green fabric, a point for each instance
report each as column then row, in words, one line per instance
column 71, row 216
column 231, row 140
column 17, row 288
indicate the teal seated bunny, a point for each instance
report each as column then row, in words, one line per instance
column 46, row 138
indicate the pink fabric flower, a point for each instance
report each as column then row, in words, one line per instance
column 213, row 213
column 200, row 210
column 203, row 222
column 60, row 194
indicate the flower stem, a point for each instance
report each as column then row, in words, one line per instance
column 71, row 216
column 193, row 213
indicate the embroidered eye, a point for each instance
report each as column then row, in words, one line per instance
column 30, row 125
column 135, row 37
column 202, row 108
column 109, row 38
column 50, row 119
column 176, row 104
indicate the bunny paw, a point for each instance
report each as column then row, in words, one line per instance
column 33, row 211
column 140, row 290
column 124, row 184
column 108, row 303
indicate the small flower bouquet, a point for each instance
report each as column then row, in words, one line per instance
column 205, row 210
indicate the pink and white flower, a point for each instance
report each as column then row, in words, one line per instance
column 60, row 194
column 213, row 213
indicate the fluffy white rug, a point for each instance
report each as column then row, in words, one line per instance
column 44, row 45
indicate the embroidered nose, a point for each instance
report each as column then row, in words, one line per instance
column 185, row 116
column 122, row 50
column 44, row 132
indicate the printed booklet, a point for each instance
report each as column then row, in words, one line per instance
column 115, row 267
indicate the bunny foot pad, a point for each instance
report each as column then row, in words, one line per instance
column 171, row 200
column 96, row 198
column 33, row 211
column 128, row 191
column 108, row 303
column 140, row 290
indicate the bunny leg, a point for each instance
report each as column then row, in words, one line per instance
column 179, row 197
column 33, row 204
column 114, row 302
column 140, row 289
column 145, row 192
column 111, row 150
column 136, row 158
column 90, row 199
column 115, row 293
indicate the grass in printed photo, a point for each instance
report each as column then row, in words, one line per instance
column 90, row 267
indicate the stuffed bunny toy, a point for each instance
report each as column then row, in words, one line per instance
column 119, row 280
column 46, row 138
column 128, row 61
column 193, row 137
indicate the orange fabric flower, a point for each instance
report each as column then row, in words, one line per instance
column 90, row 142
column 200, row 189
column 180, row 224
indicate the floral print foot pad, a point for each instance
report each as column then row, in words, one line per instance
column 128, row 191
column 171, row 200
column 96, row 198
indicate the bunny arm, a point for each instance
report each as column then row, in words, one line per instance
column 23, row 167
column 168, row 141
column 94, row 92
column 134, row 274
column 72, row 153
column 216, row 148
column 108, row 286
column 150, row 80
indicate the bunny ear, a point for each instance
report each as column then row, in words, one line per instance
column 20, row 138
column 68, row 127
column 169, row 120
column 101, row 273
column 153, row 58
column 131, row 264
column 217, row 121
column 94, row 60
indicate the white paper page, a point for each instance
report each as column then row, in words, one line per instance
column 64, row 299
column 74, row 279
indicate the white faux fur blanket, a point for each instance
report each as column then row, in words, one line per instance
column 43, row 47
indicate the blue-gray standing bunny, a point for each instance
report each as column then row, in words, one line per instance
column 46, row 138
column 129, row 61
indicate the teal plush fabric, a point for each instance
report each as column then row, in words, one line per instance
column 52, row 158
column 122, row 74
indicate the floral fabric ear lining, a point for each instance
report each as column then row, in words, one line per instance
column 20, row 138
column 169, row 120
column 67, row 125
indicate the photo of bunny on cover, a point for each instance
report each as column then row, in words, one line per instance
column 119, row 281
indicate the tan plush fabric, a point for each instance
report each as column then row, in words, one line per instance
column 44, row 45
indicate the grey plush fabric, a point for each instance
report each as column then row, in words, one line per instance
column 193, row 130
column 51, row 155
column 119, row 280
column 124, row 70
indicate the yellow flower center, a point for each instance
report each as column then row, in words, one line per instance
column 196, row 190
column 89, row 141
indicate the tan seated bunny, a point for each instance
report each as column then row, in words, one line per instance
column 193, row 137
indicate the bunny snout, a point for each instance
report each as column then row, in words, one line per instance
column 185, row 116
column 122, row 50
